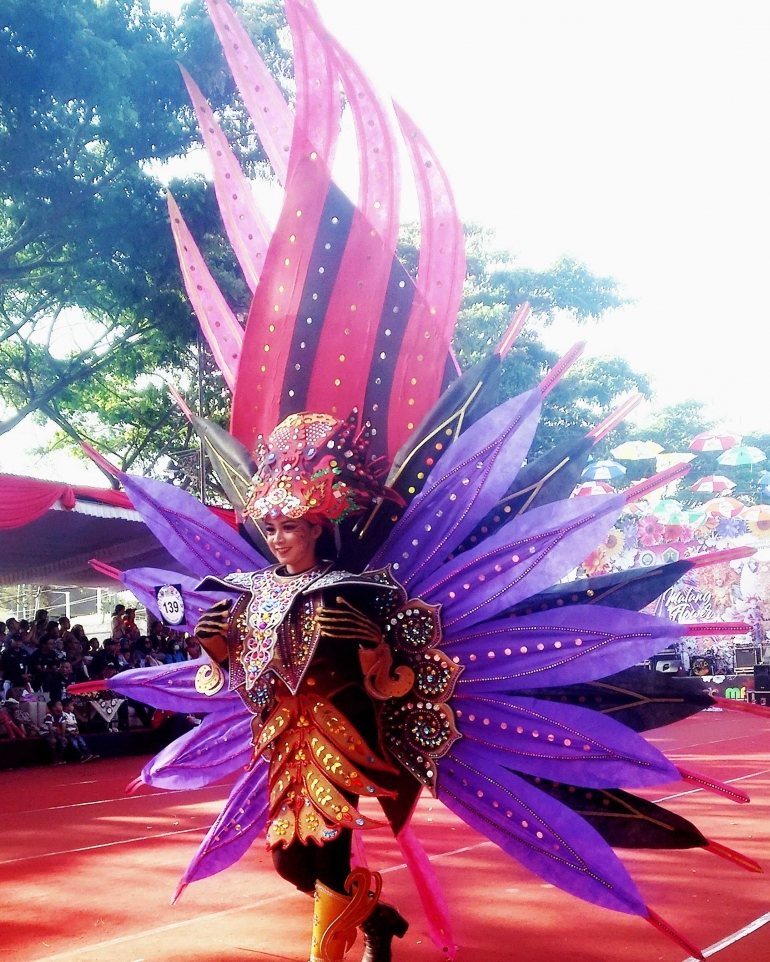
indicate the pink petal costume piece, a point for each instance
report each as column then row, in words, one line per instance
column 441, row 648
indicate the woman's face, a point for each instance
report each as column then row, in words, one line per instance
column 293, row 542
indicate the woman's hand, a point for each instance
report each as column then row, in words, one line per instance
column 211, row 630
column 348, row 624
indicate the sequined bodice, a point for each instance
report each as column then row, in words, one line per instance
column 271, row 598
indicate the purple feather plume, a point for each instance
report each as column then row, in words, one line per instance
column 217, row 747
column 563, row 646
column 565, row 743
column 187, row 529
column 465, row 485
column 541, row 833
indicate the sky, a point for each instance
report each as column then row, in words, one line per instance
column 632, row 136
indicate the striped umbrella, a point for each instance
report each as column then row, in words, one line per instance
column 603, row 471
column 712, row 484
column 637, row 450
column 724, row 507
column 742, row 454
column 708, row 441
column 592, row 487
column 669, row 511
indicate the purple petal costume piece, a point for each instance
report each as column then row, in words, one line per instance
column 236, row 828
column 468, row 480
column 171, row 688
column 193, row 534
column 220, row 745
column 549, row 839
column 141, row 582
column 558, row 647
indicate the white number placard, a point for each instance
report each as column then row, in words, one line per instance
column 170, row 604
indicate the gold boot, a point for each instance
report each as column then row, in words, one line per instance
column 336, row 917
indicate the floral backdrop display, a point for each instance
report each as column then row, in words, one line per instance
column 650, row 533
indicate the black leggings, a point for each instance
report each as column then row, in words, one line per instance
column 303, row 865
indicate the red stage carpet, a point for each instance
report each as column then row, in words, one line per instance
column 88, row 874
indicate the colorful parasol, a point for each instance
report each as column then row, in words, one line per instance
column 712, row 484
column 592, row 487
column 669, row 511
column 708, row 441
column 603, row 471
column 742, row 454
column 724, row 507
column 637, row 450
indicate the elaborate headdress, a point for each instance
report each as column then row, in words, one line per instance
column 316, row 466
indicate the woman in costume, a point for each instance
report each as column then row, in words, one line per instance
column 303, row 649
column 444, row 648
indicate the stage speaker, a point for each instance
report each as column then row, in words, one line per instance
column 745, row 659
column 669, row 664
column 762, row 677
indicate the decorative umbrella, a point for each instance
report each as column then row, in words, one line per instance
column 695, row 518
column 708, row 441
column 603, row 471
column 742, row 454
column 669, row 459
column 724, row 507
column 712, row 484
column 637, row 450
column 592, row 487
column 669, row 511
column 764, row 479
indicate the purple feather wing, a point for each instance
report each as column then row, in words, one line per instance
column 465, row 485
column 141, row 582
column 217, row 747
column 563, row 743
column 238, row 825
column 187, row 529
column 527, row 555
column 563, row 646
column 539, row 832
column 171, row 688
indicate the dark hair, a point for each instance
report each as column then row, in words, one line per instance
column 326, row 547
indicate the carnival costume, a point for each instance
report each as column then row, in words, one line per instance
column 441, row 648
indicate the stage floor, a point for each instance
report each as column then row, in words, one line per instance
column 88, row 874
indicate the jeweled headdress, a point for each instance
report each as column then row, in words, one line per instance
column 314, row 465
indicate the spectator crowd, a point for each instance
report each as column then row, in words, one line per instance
column 40, row 660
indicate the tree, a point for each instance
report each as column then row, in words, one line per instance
column 495, row 286
column 90, row 99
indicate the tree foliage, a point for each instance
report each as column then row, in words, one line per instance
column 91, row 101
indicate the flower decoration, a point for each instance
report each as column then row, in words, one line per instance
column 650, row 530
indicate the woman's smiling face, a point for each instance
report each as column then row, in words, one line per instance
column 293, row 542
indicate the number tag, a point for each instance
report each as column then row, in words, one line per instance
column 170, row 604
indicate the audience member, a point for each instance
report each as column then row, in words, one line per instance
column 8, row 727
column 53, row 733
column 103, row 657
column 15, row 663
column 20, row 712
column 75, row 740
